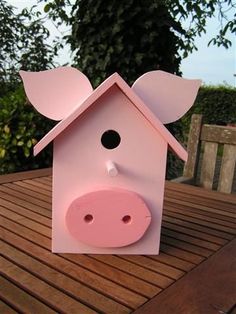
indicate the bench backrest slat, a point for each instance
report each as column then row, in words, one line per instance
column 219, row 134
column 208, row 164
column 207, row 139
column 227, row 168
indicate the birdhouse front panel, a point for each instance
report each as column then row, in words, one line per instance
column 108, row 177
column 109, row 158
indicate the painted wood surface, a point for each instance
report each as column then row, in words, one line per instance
column 154, row 89
column 56, row 92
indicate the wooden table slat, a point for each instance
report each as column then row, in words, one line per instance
column 209, row 288
column 154, row 265
column 173, row 261
column 186, row 246
column 180, row 253
column 40, row 185
column 6, row 309
column 190, row 239
column 24, row 232
column 203, row 193
column 194, row 233
column 25, row 197
column 44, row 180
column 25, row 191
column 26, row 222
column 199, row 215
column 41, row 290
column 141, row 272
column 25, row 204
column 197, row 227
column 31, row 187
column 26, row 213
column 201, row 222
column 25, row 175
column 208, row 211
column 20, row 300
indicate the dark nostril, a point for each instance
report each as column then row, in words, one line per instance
column 88, row 218
column 126, row 219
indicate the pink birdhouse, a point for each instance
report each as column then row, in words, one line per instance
column 109, row 156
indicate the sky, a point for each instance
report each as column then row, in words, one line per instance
column 213, row 65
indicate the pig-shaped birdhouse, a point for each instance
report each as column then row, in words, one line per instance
column 109, row 156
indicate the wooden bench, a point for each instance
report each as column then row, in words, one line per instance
column 204, row 149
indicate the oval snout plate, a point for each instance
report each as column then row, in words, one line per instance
column 108, row 218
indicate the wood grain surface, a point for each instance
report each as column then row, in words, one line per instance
column 197, row 244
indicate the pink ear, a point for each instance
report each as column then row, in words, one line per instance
column 167, row 95
column 54, row 93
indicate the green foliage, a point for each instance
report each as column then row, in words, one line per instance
column 191, row 17
column 20, row 128
column 123, row 37
column 217, row 104
column 23, row 45
column 194, row 14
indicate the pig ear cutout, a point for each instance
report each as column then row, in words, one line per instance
column 168, row 96
column 54, row 93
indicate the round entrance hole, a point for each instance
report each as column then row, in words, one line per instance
column 110, row 139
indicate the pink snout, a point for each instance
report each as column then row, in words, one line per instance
column 108, row 218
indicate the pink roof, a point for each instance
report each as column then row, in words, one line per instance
column 133, row 97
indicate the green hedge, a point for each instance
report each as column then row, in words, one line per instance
column 20, row 128
column 217, row 104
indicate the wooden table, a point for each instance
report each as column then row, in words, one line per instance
column 194, row 273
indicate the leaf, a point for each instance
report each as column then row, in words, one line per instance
column 29, row 144
column 34, row 141
column 26, row 152
column 2, row 152
column 20, row 143
column 6, row 129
